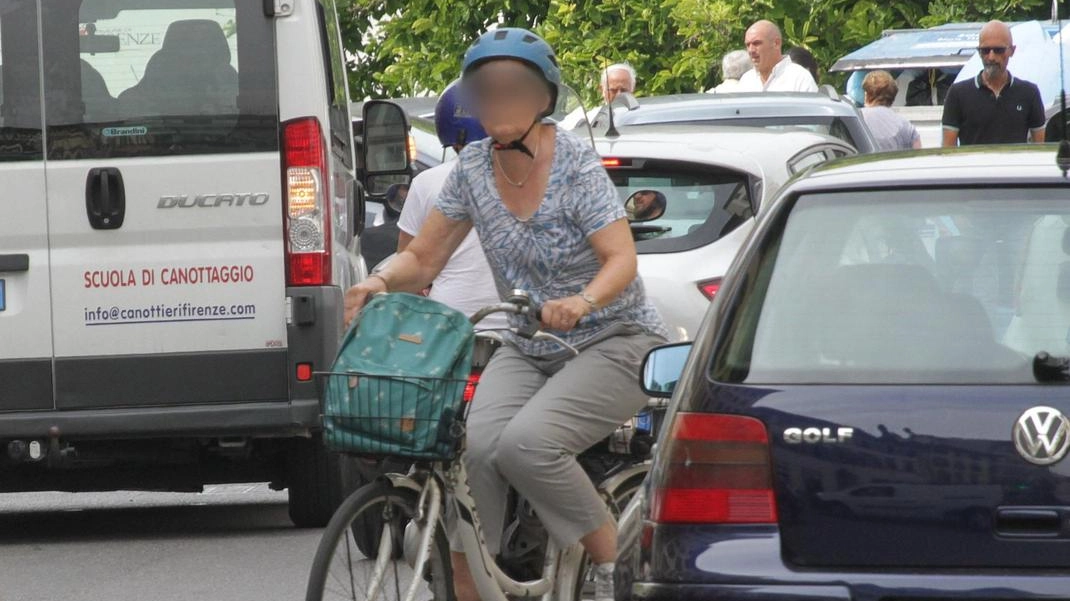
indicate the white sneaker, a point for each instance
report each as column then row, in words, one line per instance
column 603, row 583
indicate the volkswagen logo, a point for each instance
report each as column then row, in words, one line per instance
column 1042, row 435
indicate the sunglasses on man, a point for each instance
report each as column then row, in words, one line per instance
column 986, row 50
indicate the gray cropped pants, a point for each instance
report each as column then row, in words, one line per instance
column 531, row 417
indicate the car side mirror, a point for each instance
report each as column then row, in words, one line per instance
column 662, row 368
column 625, row 100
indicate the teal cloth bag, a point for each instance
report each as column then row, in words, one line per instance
column 397, row 385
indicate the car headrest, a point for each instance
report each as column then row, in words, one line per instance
column 201, row 39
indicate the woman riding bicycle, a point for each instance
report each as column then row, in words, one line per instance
column 551, row 223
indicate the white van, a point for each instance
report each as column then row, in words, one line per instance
column 178, row 230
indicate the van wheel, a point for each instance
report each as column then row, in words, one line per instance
column 318, row 480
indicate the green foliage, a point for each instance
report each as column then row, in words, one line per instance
column 407, row 47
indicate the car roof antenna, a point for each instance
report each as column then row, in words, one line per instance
column 611, row 132
column 1062, row 157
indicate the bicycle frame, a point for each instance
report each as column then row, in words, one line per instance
column 560, row 566
column 492, row 583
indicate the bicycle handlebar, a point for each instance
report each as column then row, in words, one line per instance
column 519, row 303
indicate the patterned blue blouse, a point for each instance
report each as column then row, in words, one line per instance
column 549, row 255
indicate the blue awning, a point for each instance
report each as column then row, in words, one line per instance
column 945, row 46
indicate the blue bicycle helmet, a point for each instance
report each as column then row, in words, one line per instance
column 454, row 124
column 517, row 44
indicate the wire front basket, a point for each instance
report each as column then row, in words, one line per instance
column 397, row 416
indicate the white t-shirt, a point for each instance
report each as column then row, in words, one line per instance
column 786, row 77
column 465, row 283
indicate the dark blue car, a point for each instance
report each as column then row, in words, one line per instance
column 876, row 406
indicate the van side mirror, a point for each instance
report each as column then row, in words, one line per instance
column 385, row 147
column 662, row 368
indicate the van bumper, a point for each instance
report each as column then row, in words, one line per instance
column 267, row 419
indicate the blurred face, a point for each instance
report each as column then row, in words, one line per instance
column 995, row 47
column 507, row 97
column 643, row 202
column 763, row 47
column 617, row 81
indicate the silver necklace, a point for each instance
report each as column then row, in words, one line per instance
column 531, row 170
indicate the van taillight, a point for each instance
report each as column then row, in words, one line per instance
column 718, row 472
column 307, row 212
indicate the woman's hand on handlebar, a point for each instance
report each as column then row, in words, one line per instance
column 357, row 296
column 564, row 313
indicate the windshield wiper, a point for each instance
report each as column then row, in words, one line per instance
column 1051, row 369
column 639, row 228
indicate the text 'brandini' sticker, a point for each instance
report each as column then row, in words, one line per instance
column 117, row 132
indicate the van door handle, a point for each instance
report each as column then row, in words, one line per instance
column 105, row 198
column 15, row 262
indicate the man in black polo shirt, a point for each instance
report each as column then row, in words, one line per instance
column 994, row 107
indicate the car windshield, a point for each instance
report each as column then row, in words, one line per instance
column 675, row 206
column 898, row 287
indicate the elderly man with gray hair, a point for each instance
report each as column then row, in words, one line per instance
column 617, row 78
column 733, row 66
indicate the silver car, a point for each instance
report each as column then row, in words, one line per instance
column 709, row 183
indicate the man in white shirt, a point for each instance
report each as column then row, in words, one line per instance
column 466, row 282
column 773, row 71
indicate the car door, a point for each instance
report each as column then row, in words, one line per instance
column 164, row 203
column 25, row 310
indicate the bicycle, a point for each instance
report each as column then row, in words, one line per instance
column 410, row 559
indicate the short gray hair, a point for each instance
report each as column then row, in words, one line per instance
column 622, row 67
column 735, row 64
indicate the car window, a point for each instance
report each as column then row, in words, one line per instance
column 20, row 84
column 148, row 77
column 700, row 203
column 940, row 286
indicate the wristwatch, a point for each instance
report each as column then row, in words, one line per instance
column 590, row 300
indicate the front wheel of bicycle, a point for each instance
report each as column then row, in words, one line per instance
column 341, row 571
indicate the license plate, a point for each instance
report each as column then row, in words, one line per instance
column 3, row 298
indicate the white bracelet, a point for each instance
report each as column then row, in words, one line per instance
column 589, row 300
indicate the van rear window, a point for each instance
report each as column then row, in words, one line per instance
column 155, row 77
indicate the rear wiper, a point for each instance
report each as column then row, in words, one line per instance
column 1051, row 369
column 639, row 228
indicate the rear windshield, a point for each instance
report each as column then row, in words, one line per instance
column 678, row 206
column 899, row 287
column 147, row 77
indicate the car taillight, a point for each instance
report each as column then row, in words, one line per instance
column 709, row 288
column 616, row 162
column 470, row 386
column 718, row 472
column 307, row 212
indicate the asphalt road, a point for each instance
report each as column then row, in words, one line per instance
column 229, row 543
